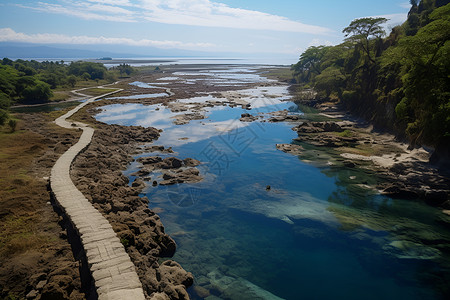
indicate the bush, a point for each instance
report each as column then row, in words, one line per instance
column 40, row 92
column 349, row 97
column 12, row 124
column 3, row 116
column 5, row 102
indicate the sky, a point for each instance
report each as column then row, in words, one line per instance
column 237, row 28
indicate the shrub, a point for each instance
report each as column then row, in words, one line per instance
column 12, row 124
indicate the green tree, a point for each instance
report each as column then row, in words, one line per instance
column 5, row 101
column 95, row 70
column 85, row 76
column 72, row 80
column 425, row 60
column 3, row 116
column 362, row 31
column 38, row 93
column 125, row 69
column 12, row 123
column 310, row 62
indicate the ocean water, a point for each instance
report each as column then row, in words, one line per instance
column 320, row 232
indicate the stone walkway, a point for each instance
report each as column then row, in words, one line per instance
column 113, row 272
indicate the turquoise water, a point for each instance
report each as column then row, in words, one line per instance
column 315, row 234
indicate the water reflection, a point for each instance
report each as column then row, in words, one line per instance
column 319, row 232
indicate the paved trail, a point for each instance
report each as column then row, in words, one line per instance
column 113, row 272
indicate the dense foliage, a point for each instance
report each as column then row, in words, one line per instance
column 400, row 82
column 29, row 82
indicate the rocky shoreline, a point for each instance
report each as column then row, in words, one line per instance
column 97, row 173
column 406, row 173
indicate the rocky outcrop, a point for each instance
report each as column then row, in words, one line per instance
column 316, row 127
column 174, row 170
column 290, row 148
column 98, row 174
column 417, row 180
column 323, row 134
column 283, row 116
column 187, row 117
column 248, row 118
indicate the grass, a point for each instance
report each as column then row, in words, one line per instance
column 60, row 96
column 23, row 196
column 282, row 74
column 345, row 133
column 97, row 91
column 17, row 151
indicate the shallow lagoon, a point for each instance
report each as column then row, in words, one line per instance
column 316, row 234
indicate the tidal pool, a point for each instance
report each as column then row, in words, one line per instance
column 320, row 232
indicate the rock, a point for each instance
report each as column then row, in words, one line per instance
column 248, row 118
column 142, row 172
column 190, row 162
column 171, row 163
column 399, row 190
column 398, row 168
column 175, row 274
column 32, row 294
column 138, row 183
column 436, row 197
column 190, row 175
column 149, row 160
column 332, row 126
column 186, row 118
column 127, row 238
column 349, row 164
column 290, row 148
column 315, row 127
column 307, row 128
column 201, row 291
column 54, row 291
column 410, row 250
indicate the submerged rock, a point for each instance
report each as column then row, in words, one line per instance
column 248, row 118
column 290, row 148
column 410, row 250
column 229, row 287
column 171, row 163
column 399, row 190
column 189, row 175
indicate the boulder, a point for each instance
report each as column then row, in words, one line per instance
column 399, row 190
column 190, row 162
column 149, row 160
column 171, row 163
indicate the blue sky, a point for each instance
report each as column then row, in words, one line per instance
column 237, row 27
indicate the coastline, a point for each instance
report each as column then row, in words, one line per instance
column 97, row 172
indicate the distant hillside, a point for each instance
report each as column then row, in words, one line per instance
column 31, row 51
column 14, row 50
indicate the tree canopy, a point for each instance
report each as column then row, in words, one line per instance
column 400, row 82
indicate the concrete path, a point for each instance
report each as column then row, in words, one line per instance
column 113, row 272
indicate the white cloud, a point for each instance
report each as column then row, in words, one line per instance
column 9, row 35
column 213, row 14
column 86, row 11
column 406, row 5
column 181, row 12
column 113, row 2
